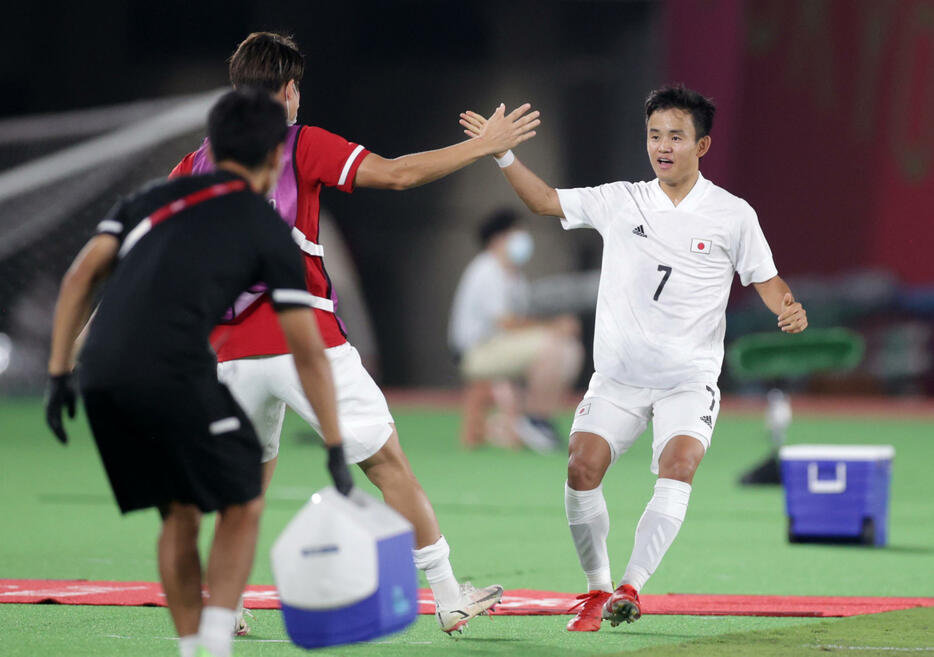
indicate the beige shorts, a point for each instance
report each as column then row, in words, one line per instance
column 506, row 355
column 264, row 386
column 619, row 414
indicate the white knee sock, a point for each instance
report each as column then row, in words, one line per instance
column 188, row 645
column 656, row 530
column 215, row 634
column 433, row 559
column 590, row 525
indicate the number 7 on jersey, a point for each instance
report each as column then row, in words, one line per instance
column 661, row 285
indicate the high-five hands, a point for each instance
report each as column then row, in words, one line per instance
column 502, row 131
column 793, row 318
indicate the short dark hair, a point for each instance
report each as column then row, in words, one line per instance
column 245, row 125
column 495, row 224
column 267, row 60
column 680, row 97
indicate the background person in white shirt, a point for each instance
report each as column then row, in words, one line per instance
column 670, row 248
column 498, row 342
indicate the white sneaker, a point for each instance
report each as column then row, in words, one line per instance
column 473, row 602
column 535, row 438
column 240, row 625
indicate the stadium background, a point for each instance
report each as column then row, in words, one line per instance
column 823, row 126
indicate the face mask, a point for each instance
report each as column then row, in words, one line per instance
column 519, row 248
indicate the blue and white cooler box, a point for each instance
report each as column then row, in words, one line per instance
column 837, row 492
column 344, row 571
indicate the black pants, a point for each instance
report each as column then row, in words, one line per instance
column 180, row 441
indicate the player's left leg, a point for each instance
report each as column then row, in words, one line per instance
column 180, row 571
column 677, row 455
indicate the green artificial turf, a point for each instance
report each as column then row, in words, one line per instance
column 503, row 514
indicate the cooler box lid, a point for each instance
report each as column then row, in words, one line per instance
column 837, row 453
column 326, row 557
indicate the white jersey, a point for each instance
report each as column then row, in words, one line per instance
column 487, row 292
column 666, row 276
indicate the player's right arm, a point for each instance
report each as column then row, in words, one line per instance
column 314, row 368
column 314, row 372
column 540, row 197
column 502, row 132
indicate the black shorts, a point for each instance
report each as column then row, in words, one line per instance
column 184, row 441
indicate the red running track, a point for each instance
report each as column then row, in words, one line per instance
column 517, row 602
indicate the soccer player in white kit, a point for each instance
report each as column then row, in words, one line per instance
column 670, row 248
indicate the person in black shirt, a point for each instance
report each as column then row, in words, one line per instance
column 175, row 256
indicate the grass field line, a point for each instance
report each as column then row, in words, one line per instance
column 175, row 638
column 825, row 646
column 251, row 640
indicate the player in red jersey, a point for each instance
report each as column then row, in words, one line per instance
column 253, row 358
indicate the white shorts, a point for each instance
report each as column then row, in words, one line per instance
column 619, row 414
column 264, row 386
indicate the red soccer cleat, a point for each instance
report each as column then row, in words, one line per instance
column 588, row 619
column 623, row 605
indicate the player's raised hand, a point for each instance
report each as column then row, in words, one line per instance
column 793, row 318
column 503, row 131
column 59, row 396
column 473, row 123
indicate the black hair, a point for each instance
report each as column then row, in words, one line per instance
column 268, row 60
column 495, row 224
column 680, row 97
column 245, row 126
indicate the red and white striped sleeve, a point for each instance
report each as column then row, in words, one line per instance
column 329, row 158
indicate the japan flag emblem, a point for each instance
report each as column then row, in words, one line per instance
column 700, row 246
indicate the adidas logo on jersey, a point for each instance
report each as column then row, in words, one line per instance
column 639, row 230
column 707, row 420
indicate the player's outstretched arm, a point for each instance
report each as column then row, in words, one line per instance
column 502, row 132
column 314, row 372
column 777, row 296
column 72, row 310
column 540, row 197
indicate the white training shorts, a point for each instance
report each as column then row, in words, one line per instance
column 619, row 413
column 264, row 386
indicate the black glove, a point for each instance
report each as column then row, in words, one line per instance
column 337, row 466
column 60, row 393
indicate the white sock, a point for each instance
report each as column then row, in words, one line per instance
column 187, row 645
column 433, row 560
column 656, row 530
column 215, row 633
column 590, row 525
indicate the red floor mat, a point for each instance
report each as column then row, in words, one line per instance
column 517, row 602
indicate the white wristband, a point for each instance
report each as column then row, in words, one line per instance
column 505, row 160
